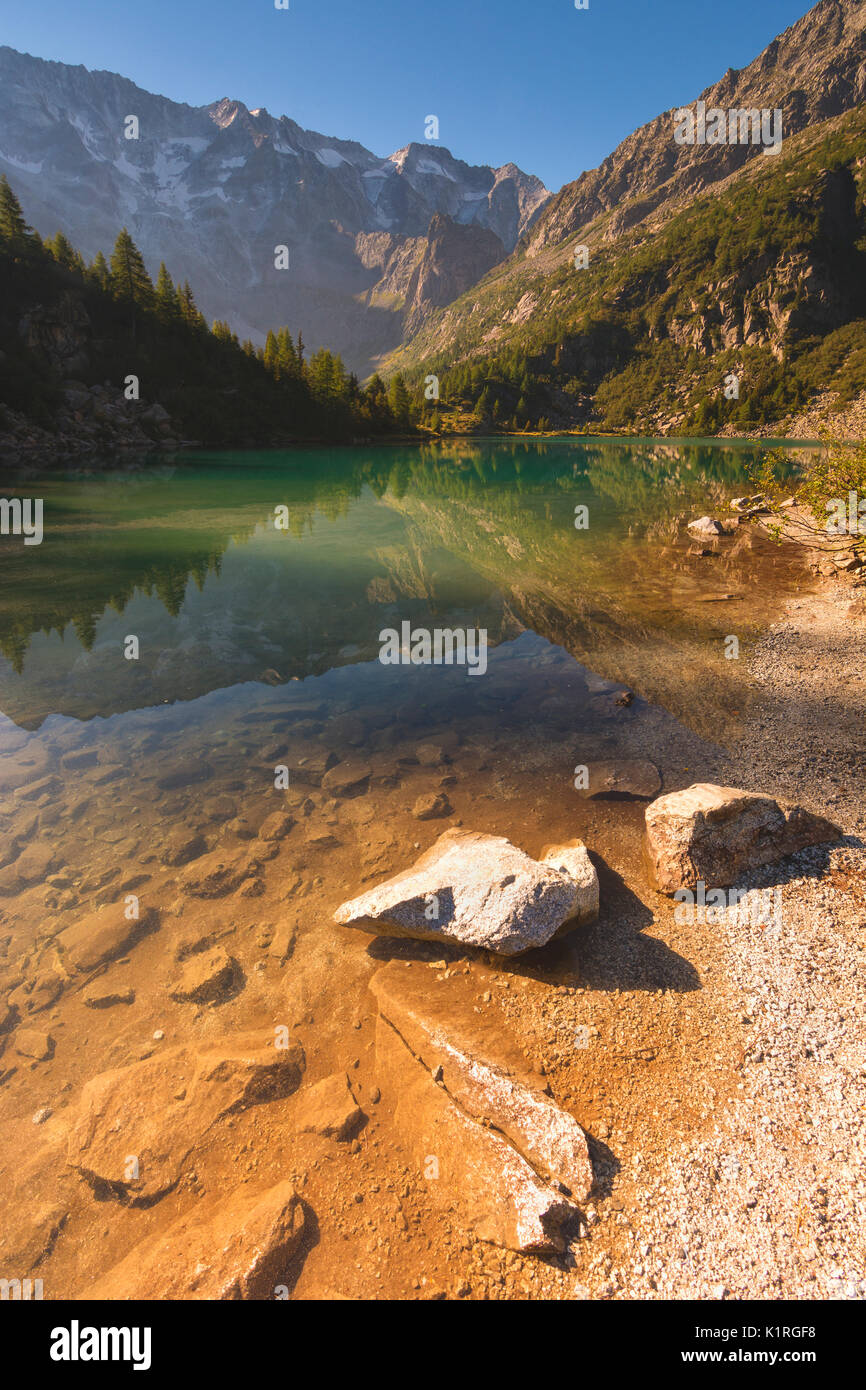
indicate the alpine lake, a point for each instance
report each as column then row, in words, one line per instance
column 197, row 642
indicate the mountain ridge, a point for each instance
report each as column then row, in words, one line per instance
column 213, row 189
column 772, row 76
column 575, row 330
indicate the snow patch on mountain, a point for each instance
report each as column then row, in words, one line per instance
column 330, row 158
column 26, row 165
column 72, row 168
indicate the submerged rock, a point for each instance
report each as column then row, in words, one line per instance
column 235, row 1248
column 276, row 826
column 491, row 1144
column 33, row 865
column 478, row 890
column 622, row 777
column 349, row 778
column 432, row 806
column 207, row 978
column 217, row 874
column 33, row 996
column 181, row 848
column 713, row 834
column 101, row 996
column 104, row 935
column 310, row 770
column 29, row 1042
column 329, row 1108
column 137, row 1126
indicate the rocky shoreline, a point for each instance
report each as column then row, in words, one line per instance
column 93, row 420
column 656, row 1101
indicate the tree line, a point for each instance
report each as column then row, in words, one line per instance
column 216, row 389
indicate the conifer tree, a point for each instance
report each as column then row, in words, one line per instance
column 272, row 353
column 222, row 331
column 374, row 403
column 63, row 252
column 187, row 307
column 287, row 359
column 399, row 401
column 166, row 295
column 129, row 277
column 99, row 272
column 18, row 238
column 484, row 408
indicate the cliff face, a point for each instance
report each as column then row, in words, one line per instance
column 212, row 190
column 699, row 255
column 778, row 301
column 454, row 258
column 815, row 70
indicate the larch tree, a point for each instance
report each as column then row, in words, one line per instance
column 18, row 238
column 166, row 295
column 129, row 278
column 99, row 272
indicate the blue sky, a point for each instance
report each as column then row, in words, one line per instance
column 533, row 81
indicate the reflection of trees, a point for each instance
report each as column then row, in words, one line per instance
column 85, row 629
column 14, row 646
column 78, row 589
column 112, row 538
column 170, row 587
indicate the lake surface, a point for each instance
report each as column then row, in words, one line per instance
column 189, row 559
column 258, row 664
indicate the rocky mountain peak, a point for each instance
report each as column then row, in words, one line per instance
column 212, row 190
column 816, row 69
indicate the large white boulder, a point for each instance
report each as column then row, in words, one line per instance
column 479, row 890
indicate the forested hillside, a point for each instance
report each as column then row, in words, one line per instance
column 763, row 279
column 73, row 334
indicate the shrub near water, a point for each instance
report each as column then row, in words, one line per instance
column 831, row 488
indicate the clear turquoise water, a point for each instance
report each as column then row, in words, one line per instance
column 187, row 558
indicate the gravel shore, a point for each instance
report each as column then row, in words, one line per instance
column 769, row 1201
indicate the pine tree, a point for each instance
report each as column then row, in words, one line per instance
column 166, row 295
column 99, row 272
column 187, row 307
column 374, row 402
column 321, row 374
column 400, row 401
column 129, row 278
column 484, row 407
column 17, row 237
column 272, row 353
column 287, row 358
column 63, row 253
